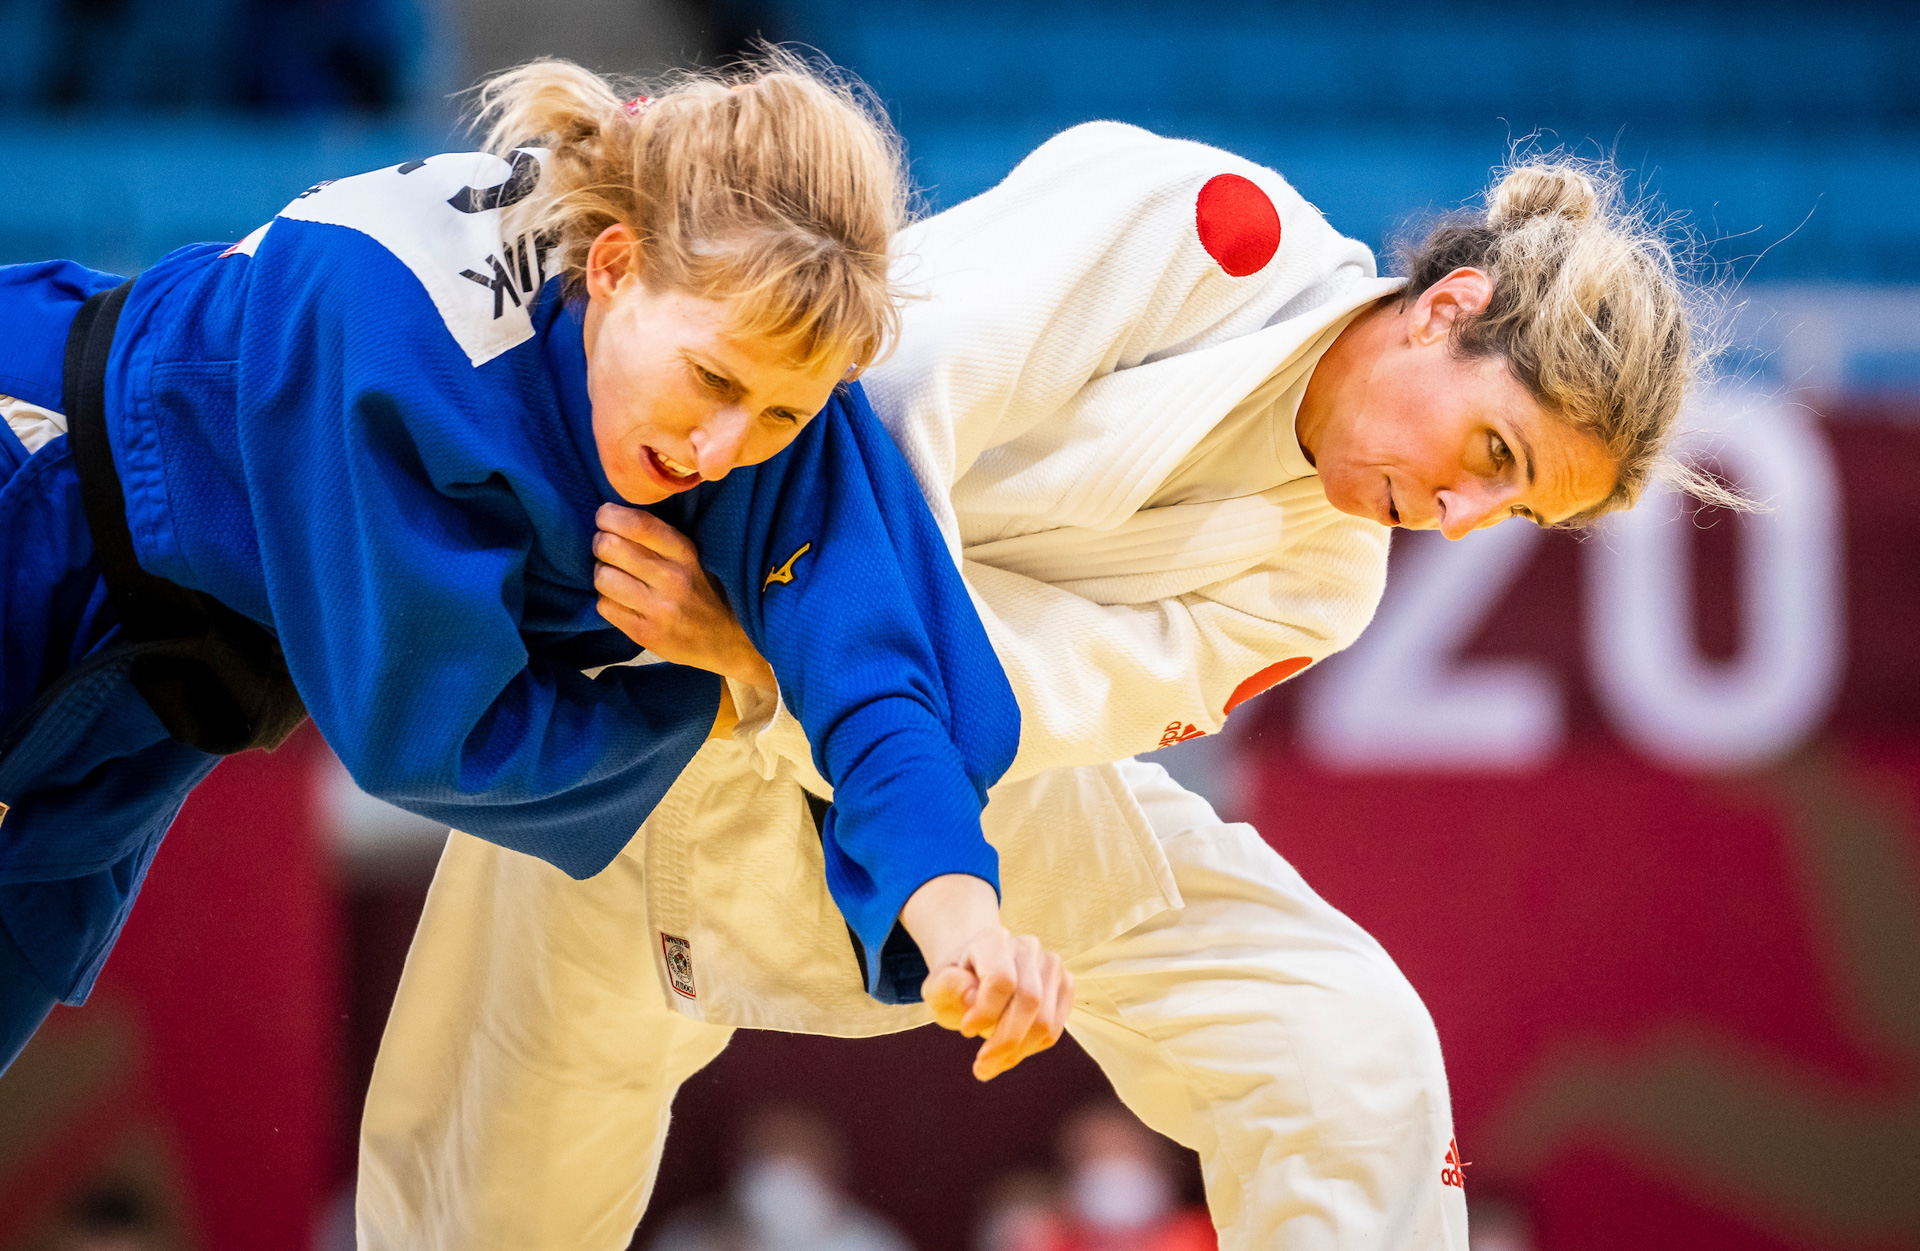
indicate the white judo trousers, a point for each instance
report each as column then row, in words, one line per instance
column 1254, row 1024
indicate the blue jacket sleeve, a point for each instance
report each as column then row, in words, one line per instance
column 397, row 494
column 841, row 578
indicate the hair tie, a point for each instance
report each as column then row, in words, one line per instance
column 638, row 105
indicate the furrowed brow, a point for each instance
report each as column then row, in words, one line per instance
column 717, row 368
column 1520, row 437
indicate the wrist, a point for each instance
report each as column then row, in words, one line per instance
column 946, row 913
column 753, row 670
column 742, row 662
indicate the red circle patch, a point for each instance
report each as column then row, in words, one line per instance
column 1238, row 225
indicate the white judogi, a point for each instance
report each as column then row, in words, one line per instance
column 1078, row 345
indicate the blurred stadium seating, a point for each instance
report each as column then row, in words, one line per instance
column 1750, row 118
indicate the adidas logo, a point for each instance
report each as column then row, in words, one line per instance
column 1177, row 733
column 1450, row 1174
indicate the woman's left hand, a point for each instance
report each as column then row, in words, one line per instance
column 652, row 587
column 982, row 980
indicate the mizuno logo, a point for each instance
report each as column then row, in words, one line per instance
column 784, row 573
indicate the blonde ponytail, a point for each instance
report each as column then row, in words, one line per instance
column 1589, row 311
column 774, row 186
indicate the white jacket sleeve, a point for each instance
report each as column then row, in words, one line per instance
column 1098, row 682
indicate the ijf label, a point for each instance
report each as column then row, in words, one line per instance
column 679, row 954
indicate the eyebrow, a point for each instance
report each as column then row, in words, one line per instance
column 720, row 370
column 1520, row 437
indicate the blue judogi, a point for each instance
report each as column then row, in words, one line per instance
column 316, row 432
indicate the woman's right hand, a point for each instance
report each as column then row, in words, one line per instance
column 652, row 587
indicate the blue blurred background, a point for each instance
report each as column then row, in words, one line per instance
column 1785, row 137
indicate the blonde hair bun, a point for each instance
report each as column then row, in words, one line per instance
column 1590, row 311
column 777, row 185
column 1543, row 190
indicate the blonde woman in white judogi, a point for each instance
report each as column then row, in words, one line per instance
column 1107, row 399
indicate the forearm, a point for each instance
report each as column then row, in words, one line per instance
column 905, row 812
column 1098, row 682
column 557, row 766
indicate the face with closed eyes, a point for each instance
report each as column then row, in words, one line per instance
column 678, row 398
column 1405, row 432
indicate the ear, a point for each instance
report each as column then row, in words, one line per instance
column 611, row 260
column 1462, row 293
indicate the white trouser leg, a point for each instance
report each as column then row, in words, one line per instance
column 524, row 1082
column 1265, row 1030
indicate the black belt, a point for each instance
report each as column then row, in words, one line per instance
column 216, row 680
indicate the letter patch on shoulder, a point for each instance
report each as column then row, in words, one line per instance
column 441, row 217
column 679, row 954
column 784, row 573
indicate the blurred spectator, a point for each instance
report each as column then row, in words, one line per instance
column 333, row 1228
column 1019, row 1214
column 1121, row 1192
column 111, row 1216
column 787, row 1194
column 1498, row 1221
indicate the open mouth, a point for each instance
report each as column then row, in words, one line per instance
column 673, row 471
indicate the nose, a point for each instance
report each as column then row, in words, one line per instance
column 719, row 441
column 1472, row 507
